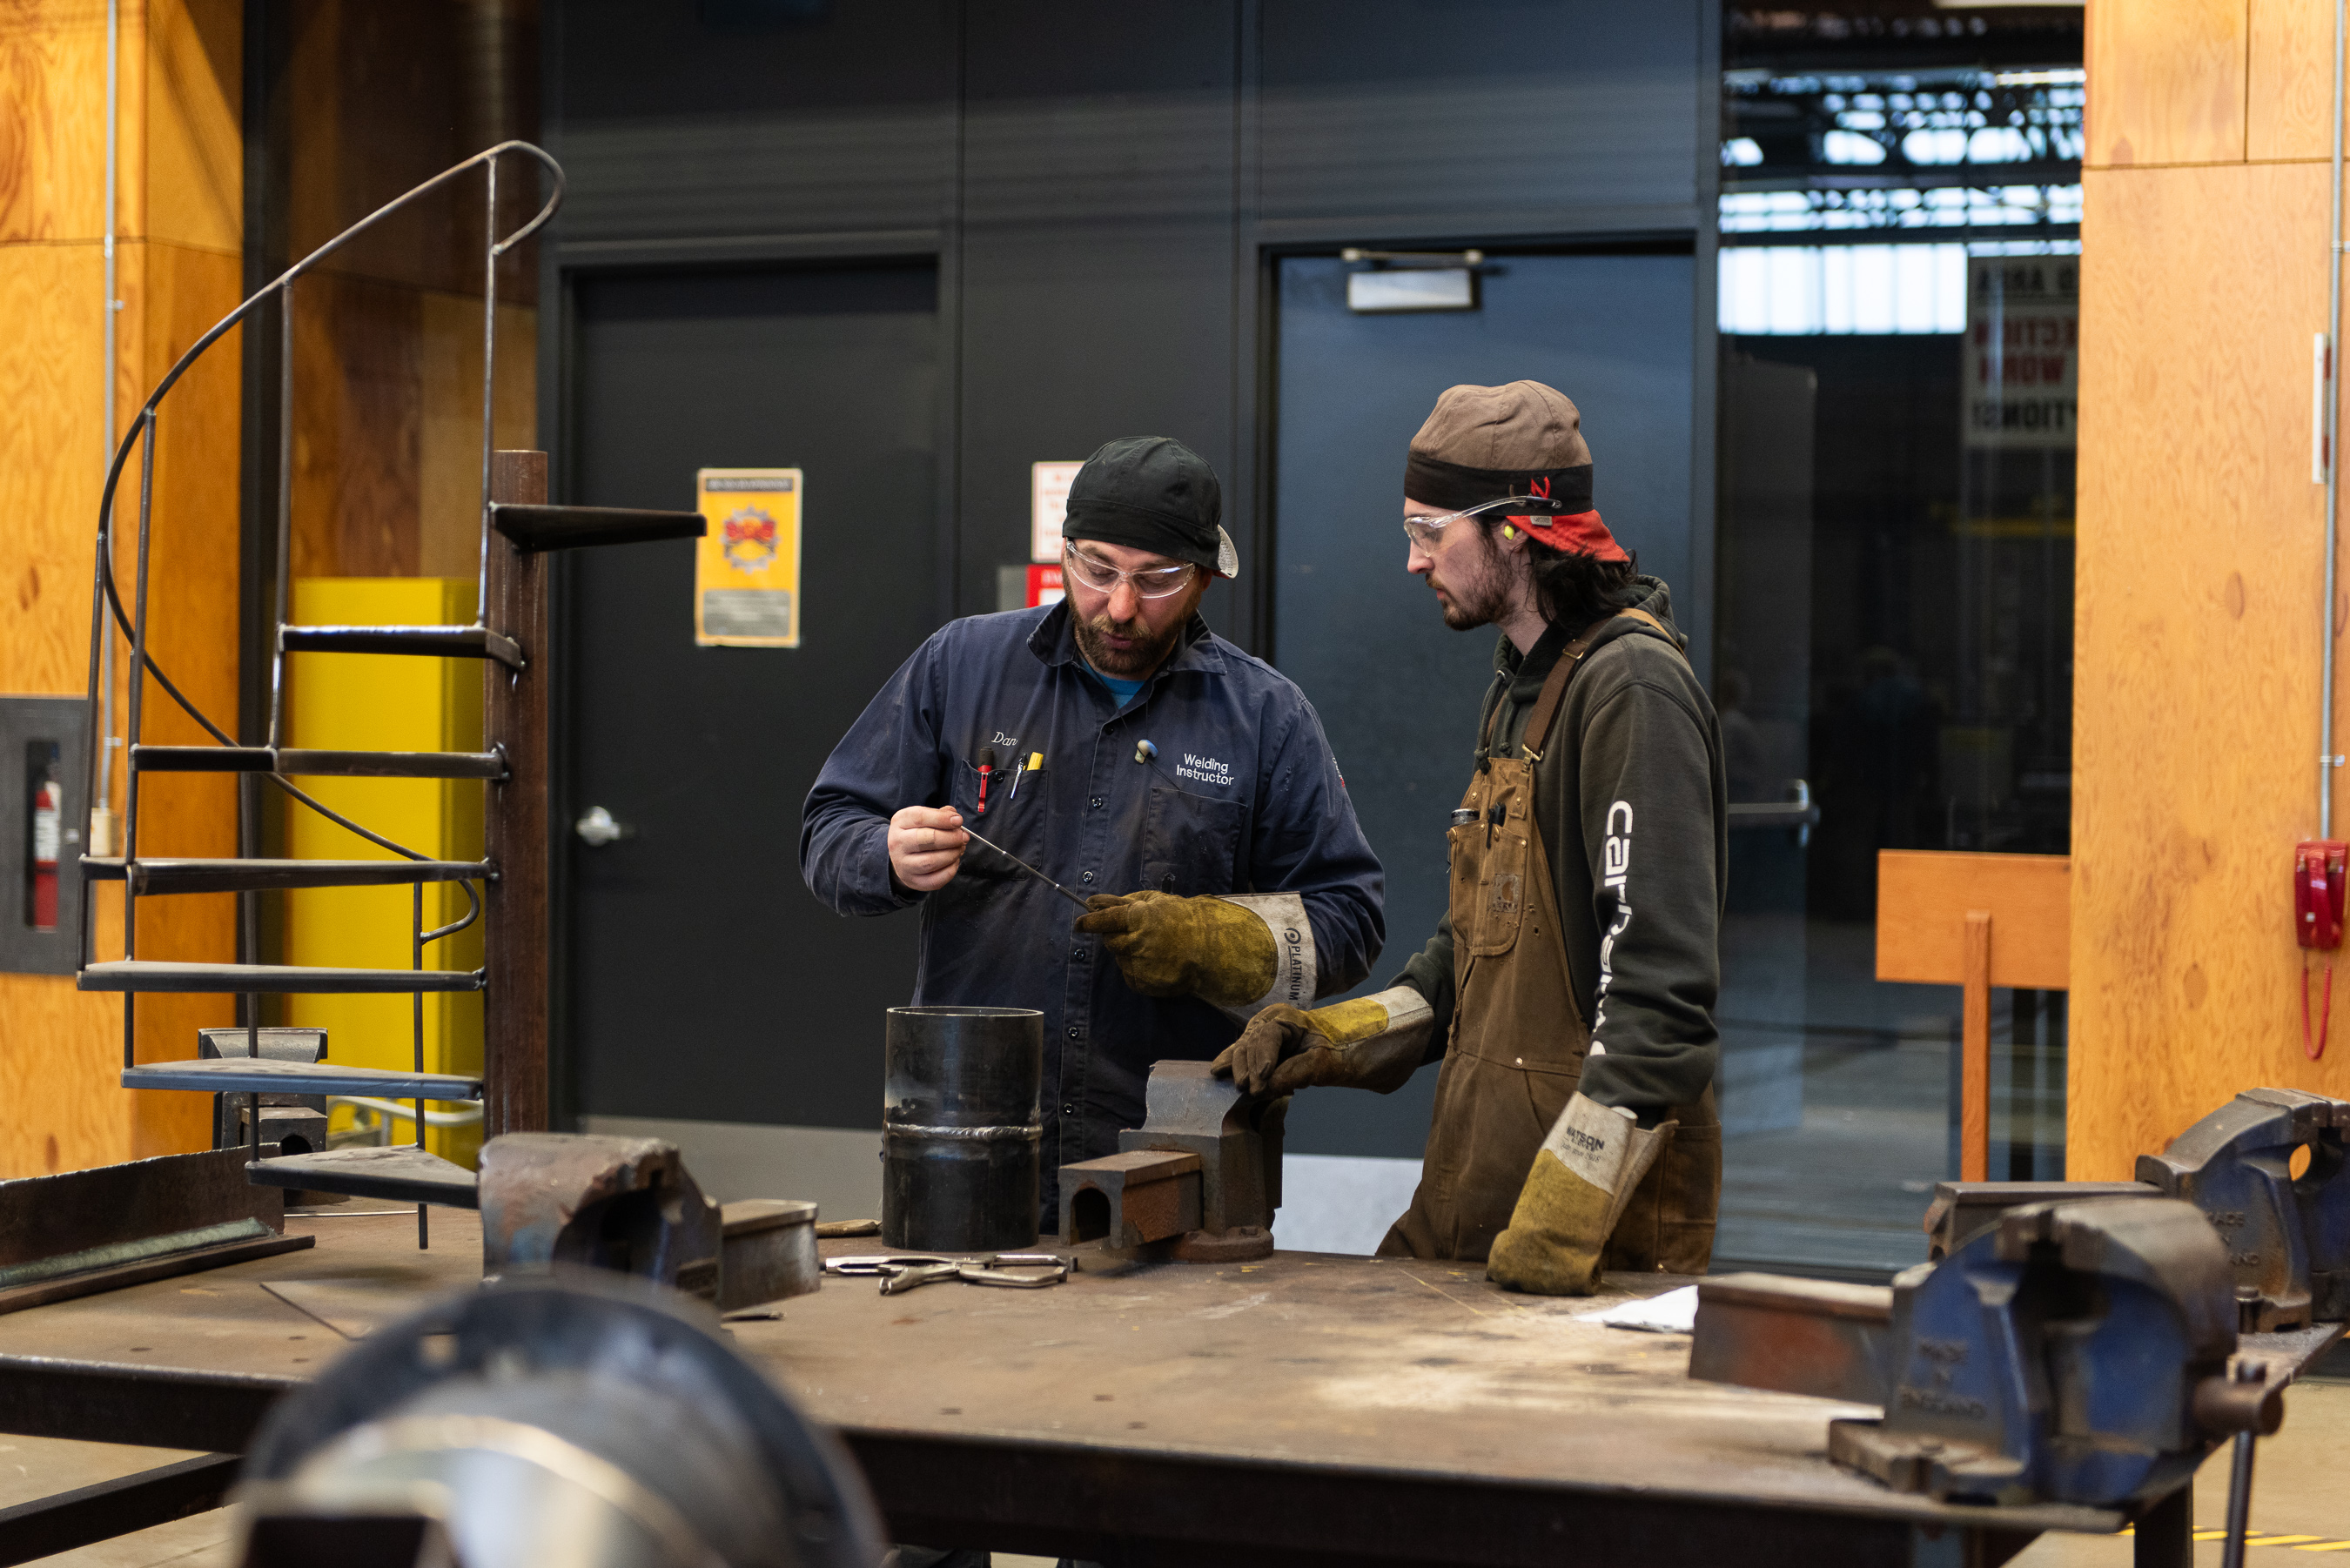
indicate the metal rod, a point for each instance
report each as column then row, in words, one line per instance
column 138, row 661
column 423, row 1226
column 138, row 685
column 489, row 389
column 102, row 794
column 1049, row 882
column 2240, row 1502
column 2326, row 768
column 285, row 507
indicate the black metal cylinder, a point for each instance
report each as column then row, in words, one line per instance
column 961, row 1135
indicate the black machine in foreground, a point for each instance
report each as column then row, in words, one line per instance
column 581, row 1419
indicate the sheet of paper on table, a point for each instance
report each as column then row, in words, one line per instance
column 1675, row 1311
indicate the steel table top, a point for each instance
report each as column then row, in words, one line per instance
column 1298, row 1409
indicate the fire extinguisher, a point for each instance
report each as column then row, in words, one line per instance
column 48, row 814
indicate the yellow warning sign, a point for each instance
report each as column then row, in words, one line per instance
column 746, row 574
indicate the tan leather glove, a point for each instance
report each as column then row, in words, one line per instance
column 1165, row 945
column 1370, row 1043
column 1583, row 1177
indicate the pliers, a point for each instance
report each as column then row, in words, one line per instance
column 902, row 1271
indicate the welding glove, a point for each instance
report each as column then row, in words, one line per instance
column 1370, row 1043
column 1582, row 1177
column 1222, row 951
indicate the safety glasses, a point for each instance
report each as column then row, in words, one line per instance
column 1151, row 582
column 1426, row 532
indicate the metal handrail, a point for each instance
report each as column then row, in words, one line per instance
column 106, row 595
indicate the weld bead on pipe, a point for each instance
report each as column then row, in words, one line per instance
column 961, row 1135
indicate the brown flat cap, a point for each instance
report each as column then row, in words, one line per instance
column 1523, row 428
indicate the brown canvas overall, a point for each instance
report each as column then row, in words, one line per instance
column 1518, row 1040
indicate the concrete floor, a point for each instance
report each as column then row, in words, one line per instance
column 2301, row 1498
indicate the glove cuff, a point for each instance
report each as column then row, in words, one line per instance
column 1295, row 975
column 1398, row 1010
column 1606, row 1146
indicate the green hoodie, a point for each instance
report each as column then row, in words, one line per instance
column 1637, row 727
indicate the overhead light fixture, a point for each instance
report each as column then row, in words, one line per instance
column 1411, row 280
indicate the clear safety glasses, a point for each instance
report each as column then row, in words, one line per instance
column 1426, row 532
column 1151, row 582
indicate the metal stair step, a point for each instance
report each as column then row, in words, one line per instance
column 252, row 876
column 297, row 760
column 404, row 1175
column 233, row 979
column 535, row 527
column 267, row 1075
column 432, row 642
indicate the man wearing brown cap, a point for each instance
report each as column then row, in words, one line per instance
column 1569, row 992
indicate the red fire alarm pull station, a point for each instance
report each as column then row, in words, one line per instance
column 2318, row 873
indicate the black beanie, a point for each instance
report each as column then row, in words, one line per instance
column 1153, row 493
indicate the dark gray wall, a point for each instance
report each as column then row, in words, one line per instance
column 1106, row 190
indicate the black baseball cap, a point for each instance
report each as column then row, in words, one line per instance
column 1153, row 493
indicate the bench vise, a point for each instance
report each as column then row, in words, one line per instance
column 2287, row 1236
column 1197, row 1182
column 2073, row 1352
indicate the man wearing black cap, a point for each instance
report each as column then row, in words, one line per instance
column 1586, row 885
column 1118, row 745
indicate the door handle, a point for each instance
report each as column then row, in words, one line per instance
column 598, row 828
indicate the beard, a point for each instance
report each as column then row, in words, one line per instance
column 1144, row 652
column 1474, row 593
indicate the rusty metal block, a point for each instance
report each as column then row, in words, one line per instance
column 1799, row 1336
column 88, row 1230
column 1238, row 1140
column 627, row 1204
column 769, row 1251
column 1130, row 1198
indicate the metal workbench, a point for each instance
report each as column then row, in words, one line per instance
column 1302, row 1409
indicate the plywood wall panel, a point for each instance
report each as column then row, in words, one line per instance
column 52, row 93
column 2167, row 81
column 2288, row 80
column 61, row 1105
column 357, row 417
column 193, row 184
column 2195, row 720
column 50, row 377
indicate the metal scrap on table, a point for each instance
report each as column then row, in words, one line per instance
column 902, row 1271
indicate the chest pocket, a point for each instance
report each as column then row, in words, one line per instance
column 1190, row 843
column 1492, row 881
column 1008, row 822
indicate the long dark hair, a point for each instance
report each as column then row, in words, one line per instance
column 1574, row 589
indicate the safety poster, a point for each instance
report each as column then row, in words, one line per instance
column 746, row 576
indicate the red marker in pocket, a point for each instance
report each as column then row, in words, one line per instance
column 986, row 770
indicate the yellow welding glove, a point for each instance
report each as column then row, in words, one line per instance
column 1217, row 950
column 1582, row 1177
column 1370, row 1043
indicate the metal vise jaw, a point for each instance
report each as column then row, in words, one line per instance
column 1199, row 1179
column 627, row 1204
column 2073, row 1352
column 2288, row 1240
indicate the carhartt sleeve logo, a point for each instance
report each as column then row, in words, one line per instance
column 1615, row 875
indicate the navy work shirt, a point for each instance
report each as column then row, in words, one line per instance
column 1243, row 797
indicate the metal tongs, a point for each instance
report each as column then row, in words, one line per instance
column 902, row 1271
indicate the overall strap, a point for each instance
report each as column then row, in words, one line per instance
column 1570, row 660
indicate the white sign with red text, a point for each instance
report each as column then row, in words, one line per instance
column 2022, row 352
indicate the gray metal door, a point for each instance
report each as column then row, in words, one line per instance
column 1396, row 691
column 704, row 981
